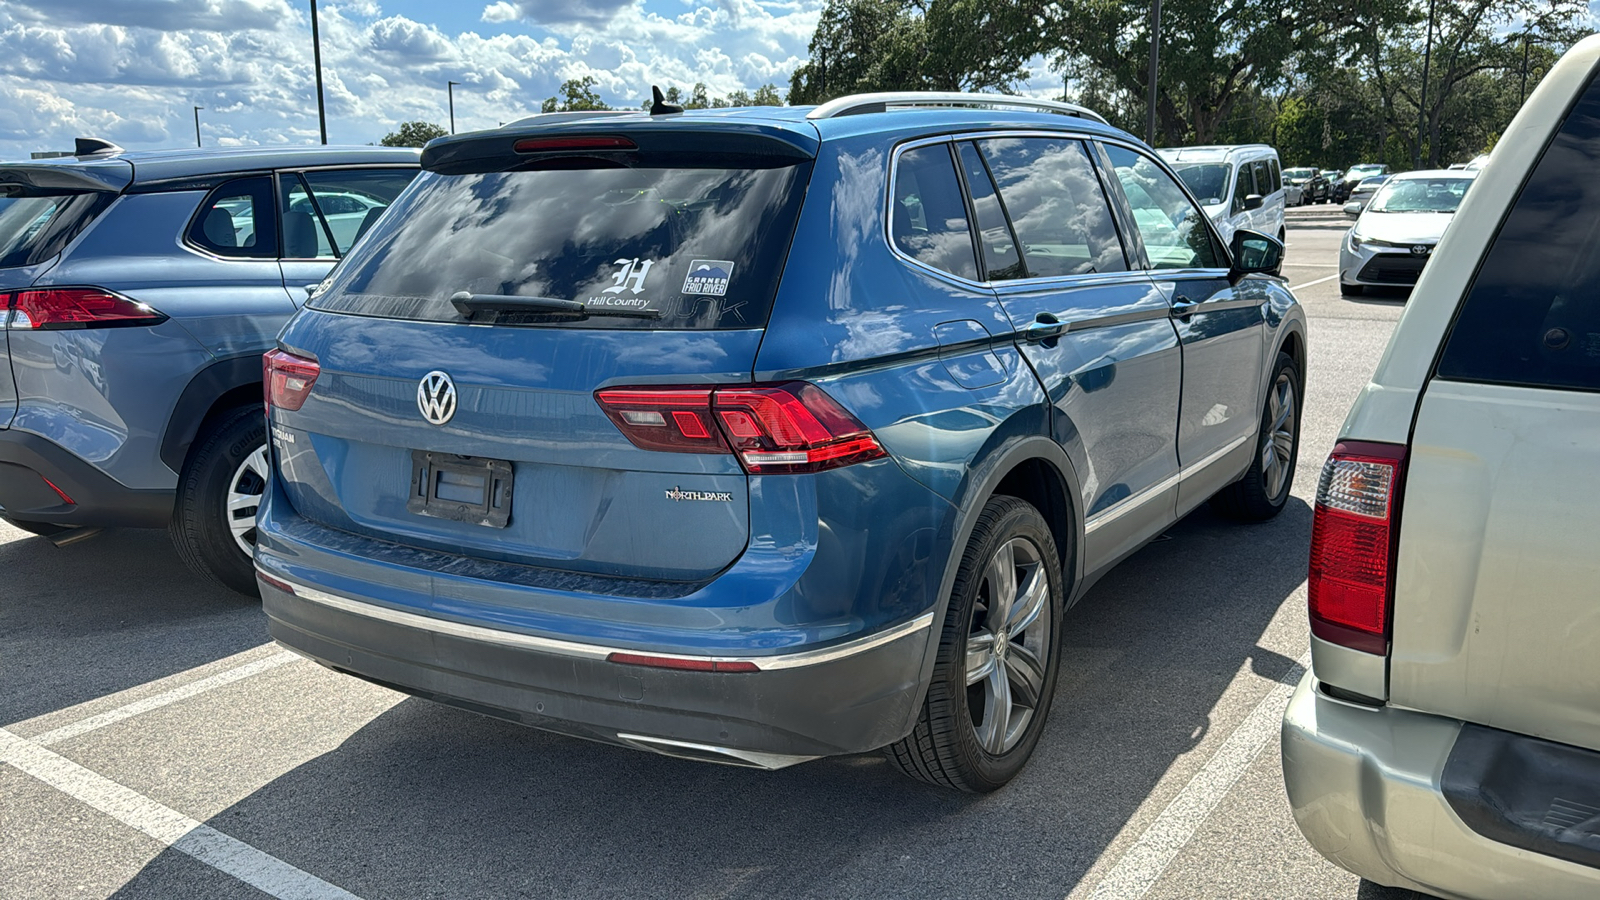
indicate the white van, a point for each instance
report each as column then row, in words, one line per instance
column 1240, row 186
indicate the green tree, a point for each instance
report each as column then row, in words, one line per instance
column 576, row 94
column 412, row 134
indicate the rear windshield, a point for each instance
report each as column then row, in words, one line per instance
column 34, row 228
column 697, row 248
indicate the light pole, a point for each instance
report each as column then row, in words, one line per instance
column 1422, row 107
column 1155, row 55
column 450, row 88
column 197, row 125
column 316, row 58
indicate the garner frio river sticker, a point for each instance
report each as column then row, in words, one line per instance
column 708, row 277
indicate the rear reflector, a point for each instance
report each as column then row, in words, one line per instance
column 1353, row 532
column 288, row 379
column 268, row 580
column 688, row 665
column 58, row 309
column 573, row 143
column 774, row 428
column 59, row 492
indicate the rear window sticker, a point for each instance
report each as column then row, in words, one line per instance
column 708, row 277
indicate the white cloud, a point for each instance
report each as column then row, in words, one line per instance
column 501, row 12
column 75, row 67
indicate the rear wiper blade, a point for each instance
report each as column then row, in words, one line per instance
column 469, row 304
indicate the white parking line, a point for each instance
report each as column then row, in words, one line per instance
column 232, row 856
column 1296, row 287
column 1139, row 868
column 165, row 698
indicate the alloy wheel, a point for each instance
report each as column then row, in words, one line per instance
column 1277, row 444
column 1008, row 646
column 245, row 490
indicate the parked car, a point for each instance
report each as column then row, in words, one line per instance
column 141, row 289
column 1353, row 176
column 712, row 434
column 1447, row 738
column 1300, row 186
column 1239, row 186
column 1394, row 238
column 1363, row 194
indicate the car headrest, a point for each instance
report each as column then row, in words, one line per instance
column 299, row 236
column 218, row 228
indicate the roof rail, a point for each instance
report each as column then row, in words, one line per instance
column 859, row 104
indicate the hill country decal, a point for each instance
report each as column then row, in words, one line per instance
column 708, row 277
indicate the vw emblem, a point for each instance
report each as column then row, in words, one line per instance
column 1420, row 249
column 436, row 397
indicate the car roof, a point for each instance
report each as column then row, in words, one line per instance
column 1215, row 152
column 1436, row 173
column 160, row 165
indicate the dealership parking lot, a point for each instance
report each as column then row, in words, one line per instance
column 157, row 746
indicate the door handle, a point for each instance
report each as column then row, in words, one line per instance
column 1044, row 327
column 1183, row 308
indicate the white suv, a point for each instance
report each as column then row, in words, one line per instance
column 1240, row 186
column 1447, row 739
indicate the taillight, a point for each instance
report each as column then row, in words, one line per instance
column 774, row 428
column 58, row 309
column 1353, row 532
column 287, row 379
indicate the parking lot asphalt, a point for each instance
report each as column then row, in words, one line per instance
column 155, row 744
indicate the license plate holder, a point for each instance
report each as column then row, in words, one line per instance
column 460, row 488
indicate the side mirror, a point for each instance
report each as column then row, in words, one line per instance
column 1254, row 253
column 1352, row 209
column 1253, row 201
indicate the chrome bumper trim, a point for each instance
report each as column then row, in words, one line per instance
column 581, row 650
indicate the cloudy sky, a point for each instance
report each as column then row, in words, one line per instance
column 131, row 70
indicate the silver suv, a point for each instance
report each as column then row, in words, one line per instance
column 1447, row 739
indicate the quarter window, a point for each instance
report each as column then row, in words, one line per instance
column 929, row 218
column 325, row 213
column 237, row 219
column 1057, row 209
column 1173, row 229
column 1532, row 314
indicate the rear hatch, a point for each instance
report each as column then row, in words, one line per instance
column 461, row 345
column 43, row 206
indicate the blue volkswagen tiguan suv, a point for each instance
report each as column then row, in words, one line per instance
column 138, row 291
column 757, row 436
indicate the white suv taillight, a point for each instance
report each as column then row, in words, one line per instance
column 1351, row 583
column 288, row 379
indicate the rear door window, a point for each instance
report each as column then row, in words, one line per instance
column 670, row 247
column 1057, row 208
column 996, row 243
column 326, row 212
column 928, row 220
column 1532, row 314
column 238, row 219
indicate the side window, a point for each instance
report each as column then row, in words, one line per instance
column 929, row 219
column 1053, row 197
column 1277, row 175
column 237, row 219
column 1263, row 173
column 1174, row 229
column 1000, row 259
column 1243, row 186
column 1532, row 314
column 350, row 200
column 303, row 234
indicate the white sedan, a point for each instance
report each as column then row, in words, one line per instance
column 1395, row 235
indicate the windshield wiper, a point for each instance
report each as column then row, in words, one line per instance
column 469, row 304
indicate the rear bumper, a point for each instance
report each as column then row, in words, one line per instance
column 27, row 460
column 844, row 698
column 1365, row 787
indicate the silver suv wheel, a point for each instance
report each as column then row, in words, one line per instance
column 1009, row 646
column 245, row 489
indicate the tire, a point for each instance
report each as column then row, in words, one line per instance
column 958, row 742
column 228, row 456
column 1350, row 290
column 1262, row 492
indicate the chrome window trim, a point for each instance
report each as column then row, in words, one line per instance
column 1042, row 281
column 580, row 650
